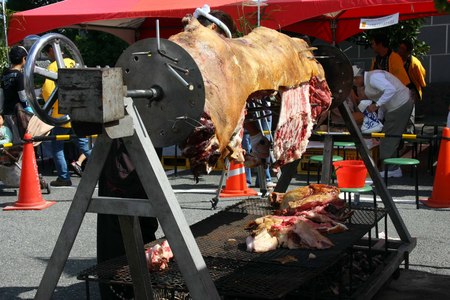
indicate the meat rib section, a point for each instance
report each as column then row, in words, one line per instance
column 294, row 125
column 234, row 69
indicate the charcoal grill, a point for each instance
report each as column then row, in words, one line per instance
column 241, row 274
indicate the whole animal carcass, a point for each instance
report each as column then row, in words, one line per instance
column 260, row 63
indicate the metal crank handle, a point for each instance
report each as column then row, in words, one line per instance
column 154, row 93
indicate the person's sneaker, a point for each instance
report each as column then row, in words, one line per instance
column 76, row 168
column 394, row 173
column 270, row 184
column 61, row 182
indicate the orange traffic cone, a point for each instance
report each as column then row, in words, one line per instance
column 236, row 185
column 440, row 197
column 30, row 196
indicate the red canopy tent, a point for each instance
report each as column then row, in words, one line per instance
column 116, row 16
column 340, row 25
column 125, row 18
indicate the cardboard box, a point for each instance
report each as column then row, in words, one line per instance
column 169, row 162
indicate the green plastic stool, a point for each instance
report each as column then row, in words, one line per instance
column 404, row 162
column 365, row 189
column 319, row 159
column 343, row 145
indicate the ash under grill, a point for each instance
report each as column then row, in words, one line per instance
column 238, row 273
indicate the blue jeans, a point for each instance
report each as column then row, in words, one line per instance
column 247, row 147
column 248, row 172
column 58, row 151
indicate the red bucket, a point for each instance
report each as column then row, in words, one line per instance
column 350, row 173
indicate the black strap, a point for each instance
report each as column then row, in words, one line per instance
column 411, row 85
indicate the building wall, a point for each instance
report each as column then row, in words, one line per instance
column 436, row 33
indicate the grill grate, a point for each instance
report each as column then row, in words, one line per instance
column 252, row 206
column 238, row 273
column 367, row 215
column 214, row 243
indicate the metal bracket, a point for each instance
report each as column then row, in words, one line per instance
column 161, row 203
column 123, row 127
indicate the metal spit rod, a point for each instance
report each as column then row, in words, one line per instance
column 154, row 92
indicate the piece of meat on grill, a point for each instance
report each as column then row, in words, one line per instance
column 158, row 256
column 312, row 201
column 282, row 200
column 261, row 62
column 293, row 232
column 310, row 237
column 262, row 242
column 305, row 197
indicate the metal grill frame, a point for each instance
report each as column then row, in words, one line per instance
column 238, row 273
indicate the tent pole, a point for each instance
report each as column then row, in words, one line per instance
column 4, row 23
column 333, row 26
column 259, row 13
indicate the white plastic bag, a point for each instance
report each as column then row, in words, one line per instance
column 371, row 123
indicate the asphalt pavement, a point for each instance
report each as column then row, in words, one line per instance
column 27, row 238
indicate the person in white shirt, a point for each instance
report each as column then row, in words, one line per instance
column 387, row 92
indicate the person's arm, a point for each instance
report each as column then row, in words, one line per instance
column 397, row 68
column 355, row 99
column 372, row 65
column 21, row 90
column 419, row 72
column 379, row 82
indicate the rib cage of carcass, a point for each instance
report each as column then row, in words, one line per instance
column 261, row 62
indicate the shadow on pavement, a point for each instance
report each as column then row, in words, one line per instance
column 74, row 291
column 412, row 285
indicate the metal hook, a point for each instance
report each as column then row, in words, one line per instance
column 180, row 79
column 187, row 119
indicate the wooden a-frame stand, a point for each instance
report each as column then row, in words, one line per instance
column 161, row 203
column 289, row 171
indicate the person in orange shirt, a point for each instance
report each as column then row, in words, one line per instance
column 413, row 67
column 387, row 60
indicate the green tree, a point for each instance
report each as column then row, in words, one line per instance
column 97, row 48
column 3, row 48
column 442, row 5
